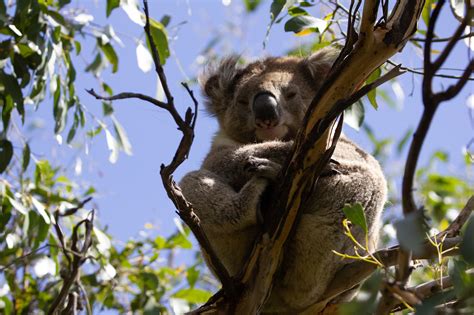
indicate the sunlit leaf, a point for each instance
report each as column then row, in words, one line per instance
column 122, row 137
column 302, row 22
column 111, row 56
column 130, row 7
column 113, row 146
column 251, row 5
column 193, row 295
column 41, row 210
column 160, row 38
column 458, row 7
column 144, row 59
column 355, row 214
column 373, row 93
column 111, row 5
column 354, row 115
column 44, row 266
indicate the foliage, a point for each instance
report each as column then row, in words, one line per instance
column 41, row 206
column 40, row 43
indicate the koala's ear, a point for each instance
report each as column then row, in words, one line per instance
column 217, row 83
column 319, row 63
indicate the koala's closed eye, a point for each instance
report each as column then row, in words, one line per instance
column 290, row 94
column 242, row 101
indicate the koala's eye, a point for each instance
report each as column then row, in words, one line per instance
column 289, row 95
column 242, row 101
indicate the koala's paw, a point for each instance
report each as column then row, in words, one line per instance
column 262, row 167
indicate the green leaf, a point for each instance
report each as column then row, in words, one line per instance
column 111, row 56
column 12, row 88
column 192, row 276
column 354, row 115
column 252, row 5
column 461, row 280
column 373, row 93
column 275, row 10
column 18, row 206
column 59, row 108
column 160, row 38
column 355, row 214
column 425, row 14
column 7, row 111
column 404, row 141
column 165, row 20
column 296, row 11
column 8, row 305
column 107, row 108
column 122, row 137
column 302, row 22
column 62, row 3
column 96, row 66
column 193, row 295
column 411, row 232
column 26, row 157
column 111, row 5
column 6, row 154
column 467, row 244
column 77, row 47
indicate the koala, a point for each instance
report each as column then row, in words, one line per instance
column 259, row 108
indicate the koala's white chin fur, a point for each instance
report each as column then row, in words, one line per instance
column 275, row 133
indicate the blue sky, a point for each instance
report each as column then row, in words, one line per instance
column 130, row 192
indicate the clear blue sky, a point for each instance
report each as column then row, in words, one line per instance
column 130, row 192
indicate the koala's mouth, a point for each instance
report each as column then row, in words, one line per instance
column 273, row 133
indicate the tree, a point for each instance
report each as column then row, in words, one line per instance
column 370, row 38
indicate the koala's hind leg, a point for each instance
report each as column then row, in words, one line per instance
column 218, row 205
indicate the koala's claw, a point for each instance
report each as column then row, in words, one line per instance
column 262, row 167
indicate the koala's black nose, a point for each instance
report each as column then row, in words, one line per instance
column 265, row 109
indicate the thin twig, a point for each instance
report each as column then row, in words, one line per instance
column 444, row 39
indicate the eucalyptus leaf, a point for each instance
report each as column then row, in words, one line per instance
column 111, row 5
column 160, row 38
column 302, row 22
column 26, row 157
column 354, row 115
column 467, row 244
column 355, row 214
column 111, row 56
column 6, row 154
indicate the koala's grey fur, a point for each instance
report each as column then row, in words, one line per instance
column 227, row 190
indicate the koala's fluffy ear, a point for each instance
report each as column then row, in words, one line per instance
column 217, row 83
column 319, row 63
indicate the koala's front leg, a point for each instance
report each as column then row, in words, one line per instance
column 220, row 207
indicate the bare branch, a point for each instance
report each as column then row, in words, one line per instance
column 444, row 39
column 454, row 90
column 455, row 227
column 436, row 75
column 78, row 260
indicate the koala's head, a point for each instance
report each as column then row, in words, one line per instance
column 267, row 99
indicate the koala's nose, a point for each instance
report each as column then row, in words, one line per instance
column 265, row 109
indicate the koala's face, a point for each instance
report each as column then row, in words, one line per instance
column 267, row 99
